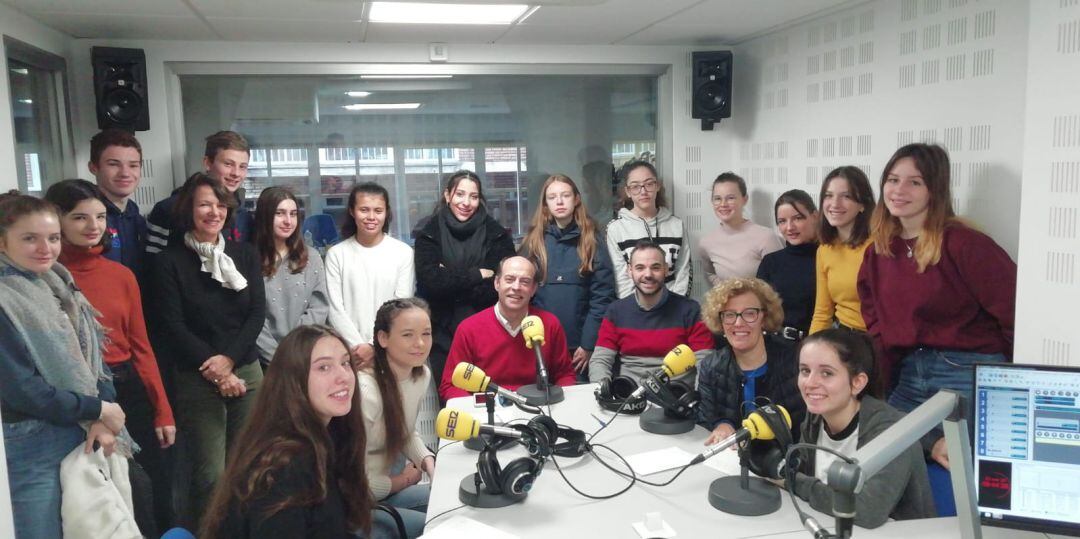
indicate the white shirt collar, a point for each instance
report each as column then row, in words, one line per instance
column 513, row 331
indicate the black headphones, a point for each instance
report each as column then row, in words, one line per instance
column 678, row 399
column 539, row 436
column 611, row 393
column 764, row 457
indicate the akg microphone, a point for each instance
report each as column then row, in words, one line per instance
column 473, row 379
column 754, row 427
column 456, row 425
column 532, row 329
column 679, row 360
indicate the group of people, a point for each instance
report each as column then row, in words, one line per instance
column 295, row 383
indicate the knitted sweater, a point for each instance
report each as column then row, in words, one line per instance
column 736, row 251
column 377, row 462
column 484, row 342
column 360, row 279
column 665, row 229
column 111, row 289
column 292, row 300
column 637, row 339
column 901, row 489
column 837, row 296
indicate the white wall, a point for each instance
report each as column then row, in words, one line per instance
column 18, row 26
column 1049, row 290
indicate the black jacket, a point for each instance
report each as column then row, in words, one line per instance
column 721, row 382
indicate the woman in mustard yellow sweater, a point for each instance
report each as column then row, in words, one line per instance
column 846, row 203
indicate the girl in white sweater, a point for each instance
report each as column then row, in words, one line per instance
column 391, row 392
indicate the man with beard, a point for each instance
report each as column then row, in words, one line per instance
column 491, row 339
column 640, row 329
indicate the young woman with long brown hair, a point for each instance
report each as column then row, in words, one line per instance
column 937, row 295
column 293, row 278
column 576, row 274
column 298, row 466
column 392, row 391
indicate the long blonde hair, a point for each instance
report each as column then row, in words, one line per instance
column 933, row 163
column 533, row 244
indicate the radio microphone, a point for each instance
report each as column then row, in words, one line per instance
column 532, row 329
column 456, row 425
column 754, row 427
column 679, row 360
column 473, row 379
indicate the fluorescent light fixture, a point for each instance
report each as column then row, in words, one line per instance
column 357, row 94
column 20, row 71
column 382, row 106
column 27, row 101
column 401, row 77
column 426, row 13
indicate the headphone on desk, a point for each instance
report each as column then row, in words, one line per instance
column 678, row 399
column 539, row 436
column 766, row 457
column 611, row 393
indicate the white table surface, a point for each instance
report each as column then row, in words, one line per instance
column 553, row 509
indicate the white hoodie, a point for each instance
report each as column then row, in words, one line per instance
column 665, row 229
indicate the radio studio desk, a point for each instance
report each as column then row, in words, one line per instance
column 553, row 510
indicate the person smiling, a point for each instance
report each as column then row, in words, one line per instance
column 457, row 252
column 55, row 389
column 791, row 270
column 391, row 391
column 838, row 382
column 846, row 204
column 756, row 366
column 298, row 468
column 644, row 215
column 209, row 296
column 736, row 247
column 936, row 294
column 293, row 276
column 366, row 269
column 575, row 268
column 112, row 289
column 116, row 163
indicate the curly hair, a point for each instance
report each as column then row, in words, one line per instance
column 717, row 298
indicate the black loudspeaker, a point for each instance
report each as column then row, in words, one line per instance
column 711, row 86
column 120, row 88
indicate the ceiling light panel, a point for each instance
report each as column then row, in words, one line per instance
column 428, row 13
column 382, row 106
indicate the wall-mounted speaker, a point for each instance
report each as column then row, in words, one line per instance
column 711, row 87
column 120, row 88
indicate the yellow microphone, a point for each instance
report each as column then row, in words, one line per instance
column 471, row 378
column 532, row 329
column 754, row 427
column 679, row 360
column 456, row 425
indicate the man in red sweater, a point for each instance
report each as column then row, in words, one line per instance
column 491, row 339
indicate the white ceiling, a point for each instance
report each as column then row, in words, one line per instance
column 577, row 22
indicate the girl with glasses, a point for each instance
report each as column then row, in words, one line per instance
column 736, row 247
column 644, row 215
column 755, row 366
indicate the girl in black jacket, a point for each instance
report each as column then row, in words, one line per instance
column 457, row 252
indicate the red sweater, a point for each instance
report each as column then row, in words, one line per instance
column 965, row 302
column 481, row 340
column 112, row 290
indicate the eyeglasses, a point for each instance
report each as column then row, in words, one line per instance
column 749, row 316
column 635, row 188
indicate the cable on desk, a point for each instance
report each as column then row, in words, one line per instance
column 428, row 521
column 441, row 447
column 633, row 478
column 633, row 475
column 608, row 422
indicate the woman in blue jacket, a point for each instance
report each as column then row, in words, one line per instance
column 576, row 273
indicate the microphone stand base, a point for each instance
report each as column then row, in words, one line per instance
column 467, row 493
column 760, row 498
column 654, row 420
column 538, row 397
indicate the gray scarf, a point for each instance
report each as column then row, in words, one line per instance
column 60, row 330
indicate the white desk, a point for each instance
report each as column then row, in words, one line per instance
column 553, row 509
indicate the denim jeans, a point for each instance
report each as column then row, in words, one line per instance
column 411, row 502
column 34, row 451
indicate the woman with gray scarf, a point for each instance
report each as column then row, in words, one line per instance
column 208, row 293
column 56, row 389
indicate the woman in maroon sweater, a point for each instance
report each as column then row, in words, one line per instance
column 936, row 295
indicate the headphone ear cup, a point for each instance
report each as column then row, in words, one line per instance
column 574, row 446
column 487, row 465
column 518, row 477
column 545, row 431
column 686, row 399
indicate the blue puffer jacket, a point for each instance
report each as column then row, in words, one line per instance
column 579, row 302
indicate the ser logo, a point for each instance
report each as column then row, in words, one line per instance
column 468, row 372
column 451, row 424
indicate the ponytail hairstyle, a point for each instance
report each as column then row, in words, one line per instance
column 533, row 245
column 67, row 194
column 452, row 181
column 624, row 175
column 265, row 211
column 348, row 227
column 856, row 352
column 389, row 391
column 933, row 163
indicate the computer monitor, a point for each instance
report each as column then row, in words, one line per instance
column 1027, row 446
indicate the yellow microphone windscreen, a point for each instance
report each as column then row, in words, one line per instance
column 470, row 378
column 452, row 424
column 532, row 329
